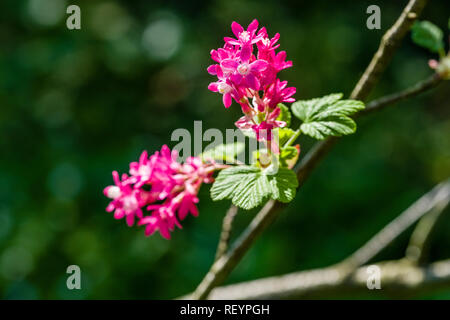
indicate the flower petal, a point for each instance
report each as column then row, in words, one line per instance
column 259, row 65
column 227, row 100
column 252, row 26
column 252, row 81
column 213, row 86
column 246, row 52
column 229, row 64
column 212, row 69
column 236, row 28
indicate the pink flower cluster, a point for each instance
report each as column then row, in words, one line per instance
column 245, row 75
column 161, row 186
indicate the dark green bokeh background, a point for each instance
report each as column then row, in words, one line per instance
column 75, row 105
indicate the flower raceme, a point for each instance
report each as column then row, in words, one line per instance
column 161, row 186
column 250, row 78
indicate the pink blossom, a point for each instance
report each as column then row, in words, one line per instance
column 266, row 47
column 244, row 37
column 277, row 93
column 126, row 201
column 242, row 74
column 160, row 191
column 225, row 89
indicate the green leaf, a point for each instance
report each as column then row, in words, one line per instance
column 284, row 185
column 428, row 35
column 245, row 186
column 248, row 187
column 224, row 152
column 333, row 126
column 305, row 109
column 327, row 116
column 252, row 192
column 284, row 134
column 286, row 154
column 229, row 180
column 285, row 114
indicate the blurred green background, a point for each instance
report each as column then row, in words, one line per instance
column 75, row 105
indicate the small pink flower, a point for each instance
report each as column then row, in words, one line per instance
column 225, row 89
column 141, row 171
column 126, row 201
column 244, row 37
column 155, row 223
column 245, row 73
column 277, row 93
column 266, row 46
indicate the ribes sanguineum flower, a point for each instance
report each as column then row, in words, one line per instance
column 126, row 201
column 247, row 70
column 159, row 191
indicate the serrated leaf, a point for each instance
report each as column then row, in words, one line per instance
column 224, row 152
column 339, row 108
column 327, row 116
column 252, row 192
column 248, row 187
column 285, row 114
column 284, row 185
column 228, row 180
column 305, row 109
column 333, row 126
column 286, row 154
column 427, row 35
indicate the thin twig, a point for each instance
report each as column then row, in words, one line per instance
column 227, row 226
column 225, row 264
column 390, row 41
column 437, row 198
column 420, row 238
column 419, row 87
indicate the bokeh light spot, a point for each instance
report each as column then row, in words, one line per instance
column 161, row 39
column 47, row 12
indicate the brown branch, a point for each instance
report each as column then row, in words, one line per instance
column 390, row 41
column 398, row 278
column 225, row 264
column 227, row 226
column 420, row 238
column 385, row 101
column 436, row 199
